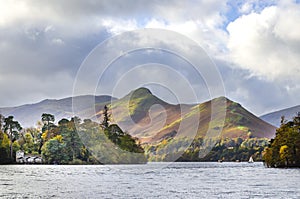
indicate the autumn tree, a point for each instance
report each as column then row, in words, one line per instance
column 48, row 121
column 284, row 149
column 12, row 129
column 4, row 148
column 54, row 151
column 4, row 143
column 121, row 139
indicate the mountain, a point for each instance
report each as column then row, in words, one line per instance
column 29, row 114
column 274, row 118
column 150, row 119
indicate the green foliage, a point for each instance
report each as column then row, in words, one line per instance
column 63, row 144
column 227, row 149
column 64, row 139
column 48, row 118
column 54, row 151
column 70, row 136
column 111, row 145
column 284, row 150
column 27, row 145
column 58, row 144
column 35, row 141
column 49, row 128
column 124, row 146
column 12, row 129
column 4, row 148
column 16, row 146
column 105, row 122
column 4, row 140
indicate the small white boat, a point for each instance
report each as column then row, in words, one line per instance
column 250, row 160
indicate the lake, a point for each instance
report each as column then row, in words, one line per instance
column 154, row 180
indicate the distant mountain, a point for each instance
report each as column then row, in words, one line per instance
column 29, row 114
column 274, row 118
column 149, row 118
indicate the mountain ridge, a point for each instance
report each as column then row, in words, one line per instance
column 274, row 118
column 151, row 119
column 29, row 114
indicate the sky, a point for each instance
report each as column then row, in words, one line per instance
column 254, row 45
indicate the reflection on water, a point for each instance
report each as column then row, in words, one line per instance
column 154, row 180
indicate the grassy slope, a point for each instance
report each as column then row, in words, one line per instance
column 132, row 113
column 147, row 117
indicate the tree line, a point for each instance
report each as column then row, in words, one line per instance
column 76, row 141
column 65, row 142
column 207, row 149
column 284, row 149
column 9, row 134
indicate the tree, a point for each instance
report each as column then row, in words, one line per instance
column 70, row 137
column 12, row 129
column 106, row 119
column 284, row 149
column 63, row 122
column 4, row 143
column 109, row 143
column 28, row 143
column 284, row 154
column 4, row 148
column 36, row 138
column 1, row 121
column 76, row 120
column 54, row 151
column 48, row 121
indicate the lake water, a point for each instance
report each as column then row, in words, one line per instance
column 154, row 180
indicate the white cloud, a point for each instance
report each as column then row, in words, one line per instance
column 251, row 6
column 42, row 38
column 58, row 41
column 267, row 43
column 11, row 10
column 246, row 8
column 198, row 20
column 116, row 27
column 49, row 28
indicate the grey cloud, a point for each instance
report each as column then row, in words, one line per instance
column 33, row 68
column 128, row 8
column 41, row 51
column 257, row 95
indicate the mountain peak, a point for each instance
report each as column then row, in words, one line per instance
column 139, row 93
column 142, row 91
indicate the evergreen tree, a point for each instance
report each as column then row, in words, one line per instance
column 106, row 118
column 12, row 129
column 54, row 151
column 70, row 137
column 48, row 121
